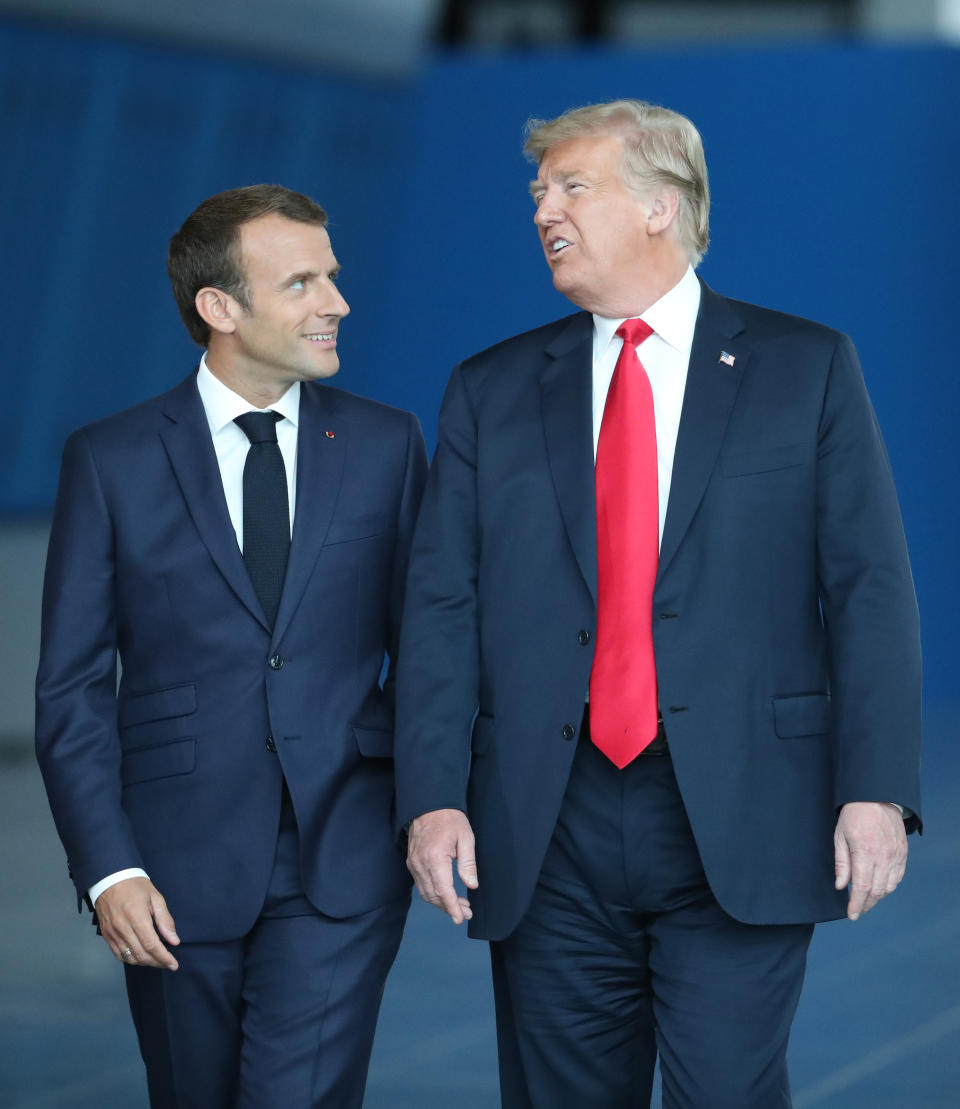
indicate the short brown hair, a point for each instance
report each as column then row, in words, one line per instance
column 206, row 249
column 660, row 147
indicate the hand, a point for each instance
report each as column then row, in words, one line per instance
column 131, row 914
column 435, row 840
column 870, row 851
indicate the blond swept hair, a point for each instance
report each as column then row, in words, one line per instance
column 660, row 147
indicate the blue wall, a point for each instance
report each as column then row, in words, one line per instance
column 833, row 170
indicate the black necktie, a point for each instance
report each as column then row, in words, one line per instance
column 266, row 512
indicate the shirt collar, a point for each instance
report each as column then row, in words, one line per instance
column 222, row 405
column 673, row 317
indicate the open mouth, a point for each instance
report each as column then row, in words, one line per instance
column 321, row 338
column 556, row 247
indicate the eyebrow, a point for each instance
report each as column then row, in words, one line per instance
column 561, row 175
column 305, row 275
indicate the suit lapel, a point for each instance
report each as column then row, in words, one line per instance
column 321, row 449
column 566, row 397
column 707, row 403
column 186, row 437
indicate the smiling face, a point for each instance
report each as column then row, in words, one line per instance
column 606, row 246
column 289, row 332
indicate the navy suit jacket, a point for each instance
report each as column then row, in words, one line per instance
column 785, row 623
column 172, row 771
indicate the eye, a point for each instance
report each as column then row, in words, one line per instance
column 571, row 185
column 299, row 285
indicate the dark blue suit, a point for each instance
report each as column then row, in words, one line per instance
column 785, row 623
column 180, row 771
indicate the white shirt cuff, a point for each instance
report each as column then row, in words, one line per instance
column 111, row 880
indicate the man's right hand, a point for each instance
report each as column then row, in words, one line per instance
column 135, row 921
column 435, row 839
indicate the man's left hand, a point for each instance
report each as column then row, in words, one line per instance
column 870, row 852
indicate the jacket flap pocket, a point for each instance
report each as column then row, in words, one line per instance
column 144, row 764
column 806, row 714
column 159, row 704
column 356, row 527
column 373, row 743
column 761, row 462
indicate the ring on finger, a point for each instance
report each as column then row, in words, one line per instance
column 126, row 953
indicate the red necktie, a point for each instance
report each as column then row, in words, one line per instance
column 623, row 682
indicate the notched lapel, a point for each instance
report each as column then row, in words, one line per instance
column 566, row 397
column 189, row 447
column 708, row 400
column 321, row 450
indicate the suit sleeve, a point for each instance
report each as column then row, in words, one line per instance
column 414, row 478
column 438, row 676
column 78, row 747
column 868, row 600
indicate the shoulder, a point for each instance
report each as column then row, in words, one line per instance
column 771, row 325
column 131, row 425
column 519, row 348
column 362, row 413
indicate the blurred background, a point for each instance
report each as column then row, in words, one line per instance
column 832, row 136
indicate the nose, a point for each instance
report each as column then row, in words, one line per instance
column 548, row 211
column 333, row 303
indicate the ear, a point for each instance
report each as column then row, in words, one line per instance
column 217, row 309
column 664, row 209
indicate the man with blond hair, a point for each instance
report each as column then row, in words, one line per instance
column 660, row 652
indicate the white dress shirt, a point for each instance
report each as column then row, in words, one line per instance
column 221, row 404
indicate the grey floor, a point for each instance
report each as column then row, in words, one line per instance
column 878, row 1027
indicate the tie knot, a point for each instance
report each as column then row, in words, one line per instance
column 634, row 331
column 259, row 427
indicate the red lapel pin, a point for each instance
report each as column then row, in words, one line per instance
column 329, row 434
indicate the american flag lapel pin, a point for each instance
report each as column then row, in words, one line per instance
column 726, row 358
column 329, row 434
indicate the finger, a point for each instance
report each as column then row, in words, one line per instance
column 841, row 863
column 446, row 897
column 164, row 921
column 467, row 862
column 149, row 949
column 860, row 886
column 118, row 949
column 421, row 876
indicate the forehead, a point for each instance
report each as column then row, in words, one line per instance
column 597, row 155
column 274, row 244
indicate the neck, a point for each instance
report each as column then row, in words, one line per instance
column 655, row 282
column 251, row 386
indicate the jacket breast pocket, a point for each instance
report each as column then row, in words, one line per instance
column 163, row 760
column 740, row 463
column 802, row 715
column 357, row 527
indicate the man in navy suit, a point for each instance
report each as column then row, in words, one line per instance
column 240, row 543
column 649, row 866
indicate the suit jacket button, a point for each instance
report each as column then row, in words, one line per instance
column 569, row 731
column 275, row 662
column 271, row 745
column 583, row 637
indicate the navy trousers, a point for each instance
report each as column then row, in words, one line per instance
column 625, row 954
column 282, row 1018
